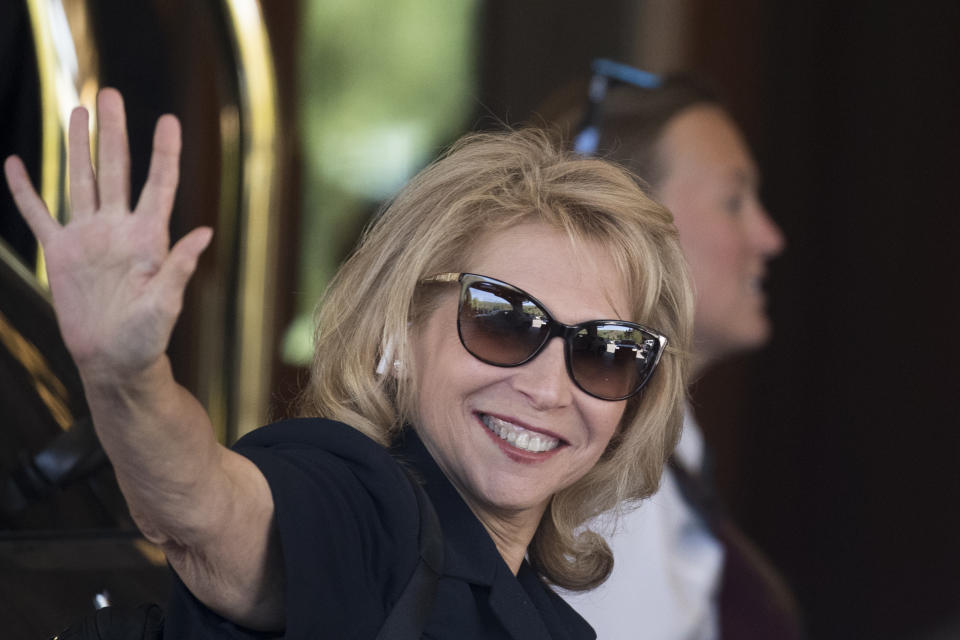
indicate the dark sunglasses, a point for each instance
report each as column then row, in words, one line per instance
column 605, row 73
column 505, row 326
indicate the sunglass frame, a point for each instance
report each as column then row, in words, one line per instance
column 557, row 329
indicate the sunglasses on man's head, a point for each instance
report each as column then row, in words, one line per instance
column 605, row 73
column 505, row 326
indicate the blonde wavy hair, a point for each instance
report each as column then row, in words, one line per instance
column 488, row 183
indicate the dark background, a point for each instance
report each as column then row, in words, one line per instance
column 838, row 445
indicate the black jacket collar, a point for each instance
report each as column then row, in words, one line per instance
column 471, row 555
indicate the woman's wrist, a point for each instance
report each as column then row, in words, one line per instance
column 102, row 380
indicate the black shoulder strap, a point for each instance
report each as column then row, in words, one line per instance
column 408, row 618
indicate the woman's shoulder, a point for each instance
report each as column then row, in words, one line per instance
column 346, row 518
column 310, row 432
column 329, row 452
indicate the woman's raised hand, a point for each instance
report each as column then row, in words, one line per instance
column 117, row 285
column 118, row 289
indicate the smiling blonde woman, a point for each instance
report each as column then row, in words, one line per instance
column 511, row 331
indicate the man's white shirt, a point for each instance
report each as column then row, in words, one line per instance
column 667, row 565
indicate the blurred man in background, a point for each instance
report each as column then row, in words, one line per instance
column 683, row 570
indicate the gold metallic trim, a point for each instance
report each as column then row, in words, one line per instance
column 13, row 262
column 64, row 78
column 151, row 552
column 257, row 246
column 52, row 155
column 48, row 386
column 216, row 378
column 51, row 390
column 443, row 277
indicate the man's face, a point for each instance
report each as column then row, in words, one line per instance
column 711, row 186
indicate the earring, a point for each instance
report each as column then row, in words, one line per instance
column 387, row 353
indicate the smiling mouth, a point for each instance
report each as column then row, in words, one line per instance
column 519, row 437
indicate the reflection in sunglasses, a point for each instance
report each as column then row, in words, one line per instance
column 504, row 326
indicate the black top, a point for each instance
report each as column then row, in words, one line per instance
column 348, row 522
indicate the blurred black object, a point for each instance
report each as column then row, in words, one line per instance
column 49, row 580
column 19, row 108
column 65, row 532
column 144, row 622
column 72, row 456
column 53, row 474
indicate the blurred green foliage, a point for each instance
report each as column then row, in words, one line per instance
column 383, row 87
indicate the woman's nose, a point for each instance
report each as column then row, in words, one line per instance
column 767, row 235
column 544, row 380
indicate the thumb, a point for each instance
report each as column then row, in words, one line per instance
column 182, row 261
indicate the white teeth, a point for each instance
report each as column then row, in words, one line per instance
column 520, row 437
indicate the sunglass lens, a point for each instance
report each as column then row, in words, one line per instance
column 611, row 361
column 499, row 325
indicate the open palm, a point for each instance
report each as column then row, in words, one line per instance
column 117, row 285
